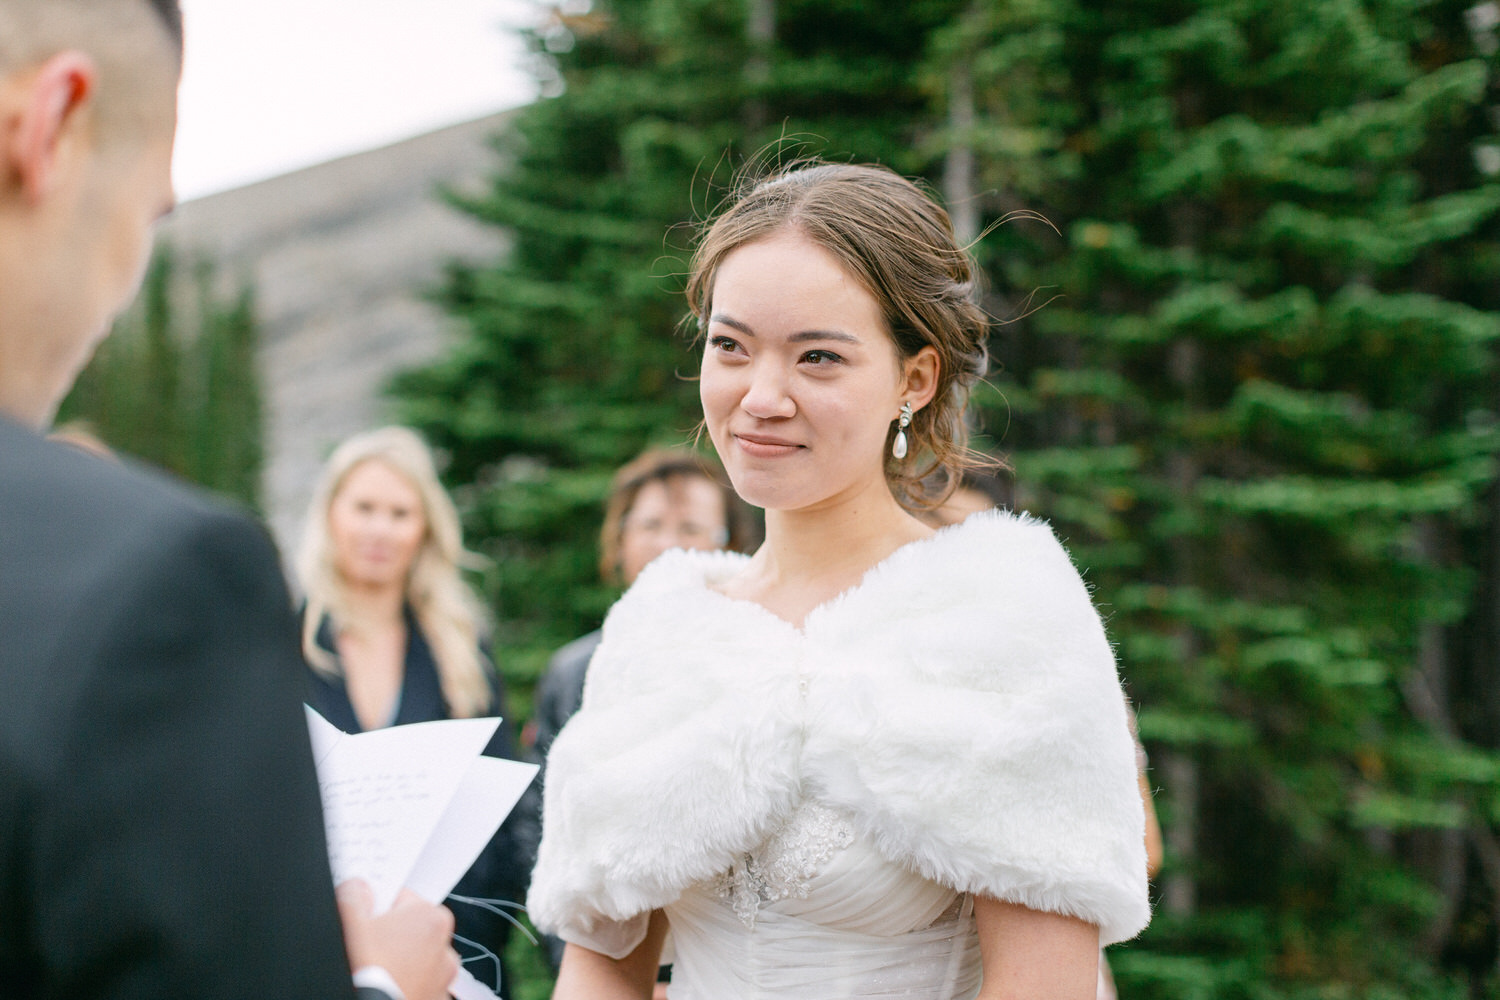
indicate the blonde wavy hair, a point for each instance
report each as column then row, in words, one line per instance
column 450, row 617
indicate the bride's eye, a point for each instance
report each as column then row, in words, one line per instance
column 821, row 358
column 723, row 344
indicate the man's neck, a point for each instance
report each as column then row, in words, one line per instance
column 24, row 407
column 31, row 386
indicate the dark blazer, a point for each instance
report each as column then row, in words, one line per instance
column 503, row 869
column 559, row 694
column 160, row 830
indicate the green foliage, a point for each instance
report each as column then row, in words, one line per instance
column 176, row 383
column 531, row 979
column 575, row 361
column 1264, row 406
column 1258, row 405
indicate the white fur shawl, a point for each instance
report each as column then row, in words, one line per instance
column 960, row 703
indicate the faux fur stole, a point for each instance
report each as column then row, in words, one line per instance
column 960, row 703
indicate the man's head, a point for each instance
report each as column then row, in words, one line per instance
column 88, row 108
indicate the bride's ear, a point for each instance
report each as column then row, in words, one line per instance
column 919, row 377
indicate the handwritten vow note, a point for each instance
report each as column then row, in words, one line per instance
column 412, row 806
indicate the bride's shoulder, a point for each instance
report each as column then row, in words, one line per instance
column 687, row 571
column 990, row 527
column 674, row 582
column 986, row 582
column 987, row 549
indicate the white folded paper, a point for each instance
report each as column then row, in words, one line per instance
column 412, row 806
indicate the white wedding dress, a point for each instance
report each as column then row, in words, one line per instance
column 814, row 808
column 815, row 913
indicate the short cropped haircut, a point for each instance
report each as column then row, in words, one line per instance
column 30, row 24
column 136, row 46
column 170, row 13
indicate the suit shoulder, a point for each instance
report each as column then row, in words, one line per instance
column 83, row 539
column 55, row 500
column 108, row 568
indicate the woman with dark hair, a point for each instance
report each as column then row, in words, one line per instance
column 872, row 759
column 665, row 498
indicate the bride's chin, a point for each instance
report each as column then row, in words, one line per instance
column 758, row 492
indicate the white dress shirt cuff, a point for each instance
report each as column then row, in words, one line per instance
column 374, row 975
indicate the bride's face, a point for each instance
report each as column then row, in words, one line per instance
column 800, row 379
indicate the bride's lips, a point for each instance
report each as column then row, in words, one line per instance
column 765, row 446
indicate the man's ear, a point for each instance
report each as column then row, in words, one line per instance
column 920, row 377
column 44, row 117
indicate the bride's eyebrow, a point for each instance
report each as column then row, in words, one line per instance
column 732, row 323
column 839, row 335
column 801, row 337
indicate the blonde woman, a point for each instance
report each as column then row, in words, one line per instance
column 392, row 635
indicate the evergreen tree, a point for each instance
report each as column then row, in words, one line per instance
column 224, row 446
column 1259, row 410
column 1258, row 415
column 159, row 431
column 575, row 361
column 176, row 382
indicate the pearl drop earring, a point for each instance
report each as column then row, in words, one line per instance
column 898, row 446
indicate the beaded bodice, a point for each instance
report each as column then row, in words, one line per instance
column 784, row 865
column 815, row 912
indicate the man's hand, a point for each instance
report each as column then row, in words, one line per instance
column 413, row 940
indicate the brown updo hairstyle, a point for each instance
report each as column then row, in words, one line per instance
column 897, row 241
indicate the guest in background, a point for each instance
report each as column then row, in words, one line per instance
column 392, row 635
column 662, row 499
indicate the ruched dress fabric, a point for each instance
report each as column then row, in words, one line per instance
column 815, row 807
column 817, row 913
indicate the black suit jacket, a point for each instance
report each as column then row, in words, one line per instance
column 160, row 830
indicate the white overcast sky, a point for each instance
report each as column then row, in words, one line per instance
column 273, row 85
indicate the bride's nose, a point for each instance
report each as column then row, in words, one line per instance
column 767, row 397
